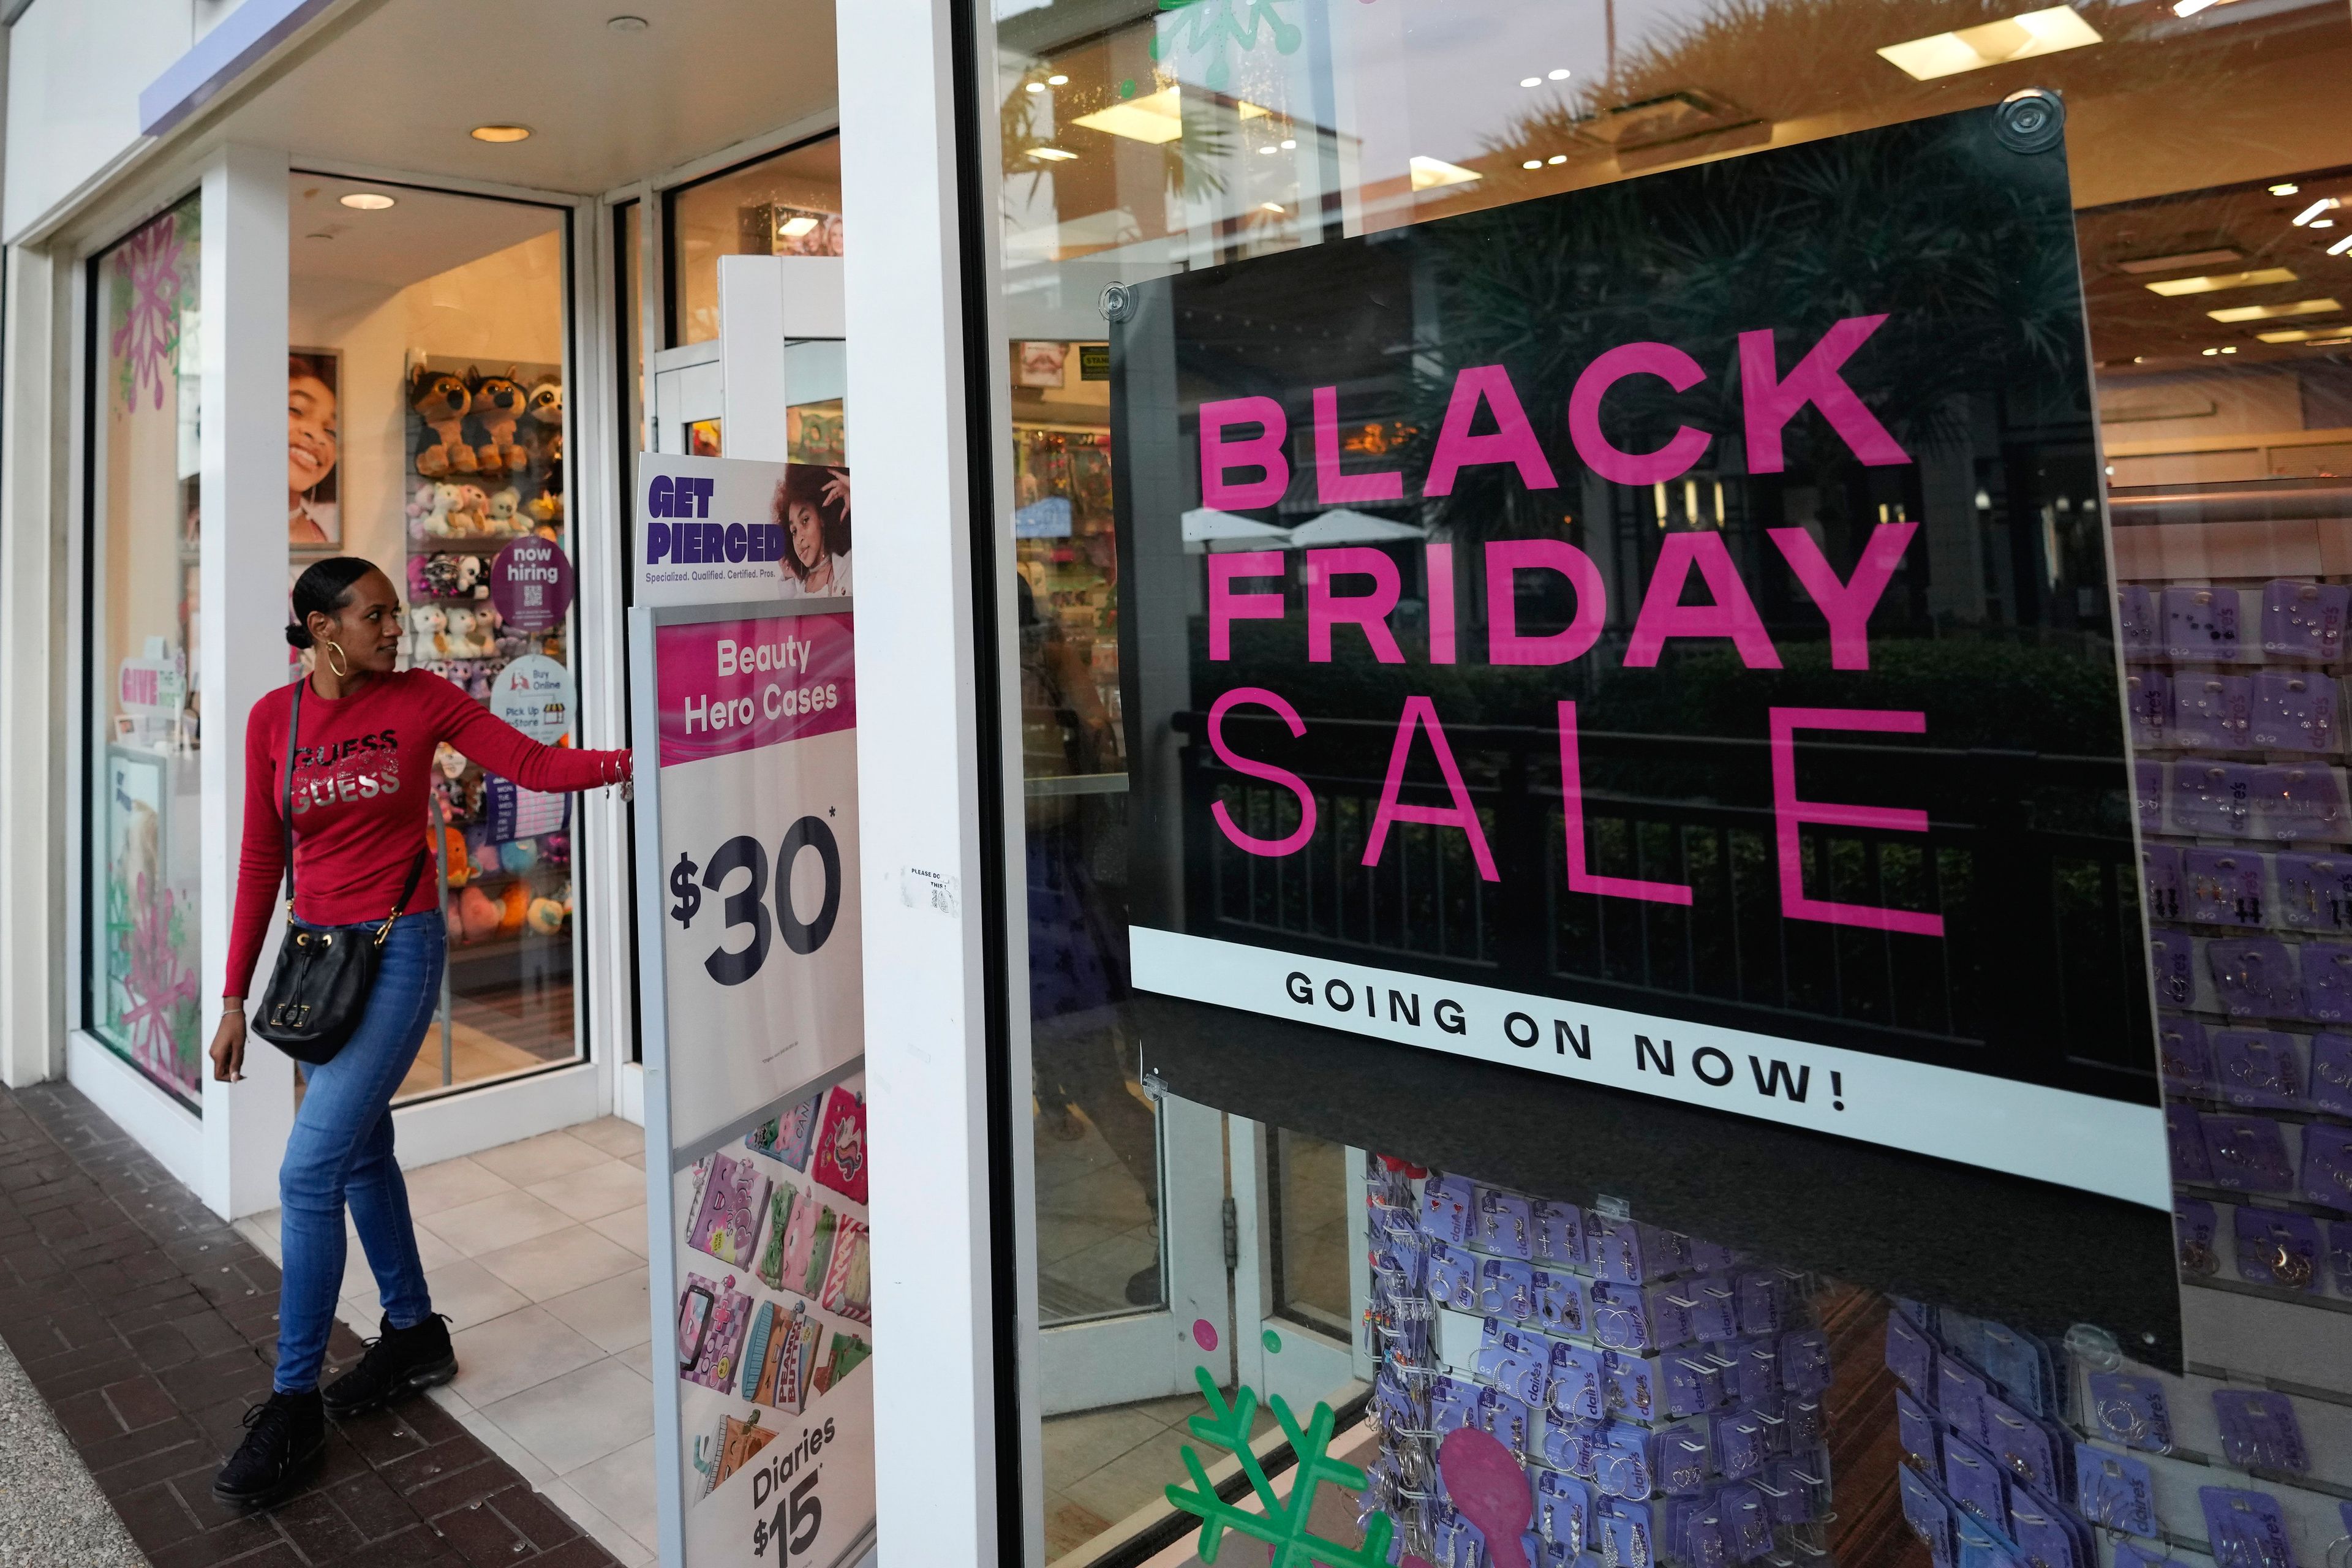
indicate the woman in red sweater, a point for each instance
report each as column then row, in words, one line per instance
column 362, row 763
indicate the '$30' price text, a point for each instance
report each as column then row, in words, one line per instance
column 747, row 905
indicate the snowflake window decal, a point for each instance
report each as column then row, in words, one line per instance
column 1282, row 1525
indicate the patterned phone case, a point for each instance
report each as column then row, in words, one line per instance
column 841, row 1145
column 849, row 1280
column 721, row 1338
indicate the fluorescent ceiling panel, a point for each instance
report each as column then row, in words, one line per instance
column 2272, row 312
column 1432, row 172
column 2215, row 282
column 2180, row 258
column 1157, row 119
column 1992, row 44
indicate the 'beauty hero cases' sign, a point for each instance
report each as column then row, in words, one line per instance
column 1660, row 636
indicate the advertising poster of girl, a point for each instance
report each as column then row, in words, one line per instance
column 314, row 515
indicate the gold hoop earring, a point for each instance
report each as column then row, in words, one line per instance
column 335, row 660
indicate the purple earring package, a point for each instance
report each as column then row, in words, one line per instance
column 2293, row 712
column 2196, row 1232
column 2141, row 617
column 2255, row 977
column 2131, row 1410
column 2212, row 800
column 2160, row 882
column 1506, row 1223
column 2184, row 1055
column 2213, row 711
column 2245, row 1526
column 2223, row 887
column 2115, row 1492
column 1974, row 1479
column 2148, row 795
column 2303, row 620
column 2314, row 892
column 2330, row 1083
column 2148, row 697
column 2200, row 625
column 2259, row 1068
column 2249, row 1155
column 2340, row 1264
column 2277, row 1249
column 2259, row 1431
column 2296, row 802
column 2184, row 1136
column 2172, row 960
column 2327, row 1166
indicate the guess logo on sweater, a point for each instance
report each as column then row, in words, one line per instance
column 359, row 768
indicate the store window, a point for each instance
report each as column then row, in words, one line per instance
column 1529, row 461
column 141, row 955
column 428, row 432
column 788, row 203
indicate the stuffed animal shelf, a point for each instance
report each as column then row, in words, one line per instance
column 498, row 403
column 441, row 400
column 543, row 430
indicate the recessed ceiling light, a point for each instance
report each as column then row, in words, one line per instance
column 1053, row 154
column 367, row 201
column 500, row 132
column 2215, row 282
column 2324, row 204
column 2233, row 349
column 2210, row 352
column 1268, row 151
column 1271, row 208
column 1035, row 87
column 1559, row 75
column 1289, row 144
column 1057, row 79
column 1994, row 43
column 1428, row 173
column 2272, row 312
column 2295, row 334
column 1557, row 158
column 2322, row 222
column 2285, row 188
column 2188, row 7
column 2341, row 246
column 1531, row 81
column 1532, row 164
column 1157, row 118
column 627, row 24
column 793, row 228
column 2178, row 260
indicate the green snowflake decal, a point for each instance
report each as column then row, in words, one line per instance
column 1282, row 1527
column 1210, row 26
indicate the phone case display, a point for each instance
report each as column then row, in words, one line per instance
column 1660, row 1395
column 772, row 1348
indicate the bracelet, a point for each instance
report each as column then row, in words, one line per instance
column 237, row 1007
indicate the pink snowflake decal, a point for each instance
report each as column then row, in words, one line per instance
column 146, row 342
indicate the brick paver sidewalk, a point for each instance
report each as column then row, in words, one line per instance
column 149, row 1326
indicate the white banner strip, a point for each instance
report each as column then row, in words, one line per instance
column 2105, row 1146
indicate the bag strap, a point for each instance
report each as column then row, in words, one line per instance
column 285, row 800
column 407, row 891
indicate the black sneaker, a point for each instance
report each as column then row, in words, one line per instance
column 399, row 1363
column 284, row 1442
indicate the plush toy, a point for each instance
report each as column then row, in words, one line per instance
column 514, row 906
column 543, row 431
column 558, row 848
column 423, row 621
column 504, row 504
column 436, row 502
column 547, row 510
column 478, row 685
column 466, row 578
column 441, row 401
column 519, row 856
column 544, row 916
column 460, row 870
column 498, row 405
column 471, row 514
column 479, row 915
column 487, row 859
column 466, row 637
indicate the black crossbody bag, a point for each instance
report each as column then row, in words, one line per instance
column 318, row 988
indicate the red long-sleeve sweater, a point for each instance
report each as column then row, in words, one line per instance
column 362, row 771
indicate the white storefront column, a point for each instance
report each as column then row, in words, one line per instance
column 242, row 620
column 920, row 788
column 33, row 664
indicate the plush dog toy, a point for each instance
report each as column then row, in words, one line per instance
column 441, row 400
column 498, row 406
column 543, row 429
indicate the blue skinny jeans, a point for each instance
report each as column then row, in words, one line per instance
column 341, row 1151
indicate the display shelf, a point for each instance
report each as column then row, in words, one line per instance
column 474, row 543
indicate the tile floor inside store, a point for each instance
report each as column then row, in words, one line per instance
column 537, row 1252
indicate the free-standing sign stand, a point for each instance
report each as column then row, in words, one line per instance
column 745, row 718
